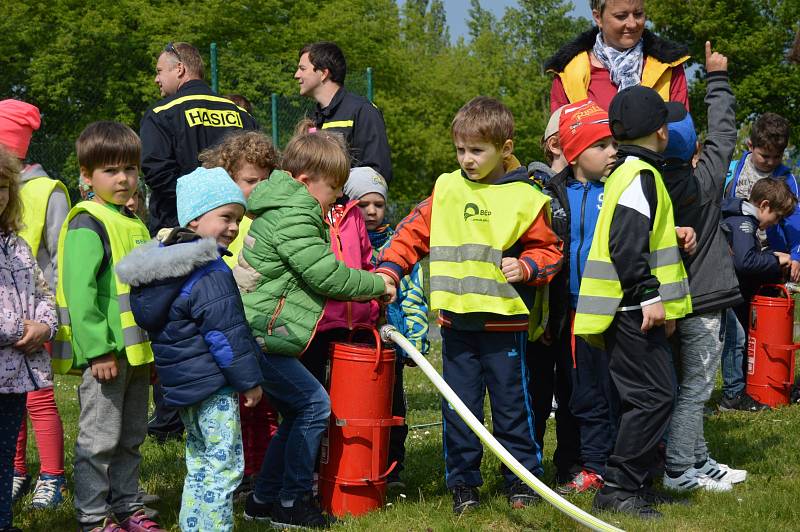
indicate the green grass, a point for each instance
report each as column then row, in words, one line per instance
column 766, row 444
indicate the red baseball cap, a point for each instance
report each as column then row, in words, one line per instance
column 581, row 125
column 18, row 121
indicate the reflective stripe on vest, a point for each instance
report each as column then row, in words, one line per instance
column 124, row 234
column 472, row 224
column 577, row 74
column 600, row 290
column 35, row 195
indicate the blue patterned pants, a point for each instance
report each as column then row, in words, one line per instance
column 214, row 463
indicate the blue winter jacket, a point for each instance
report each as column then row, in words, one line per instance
column 786, row 235
column 754, row 266
column 185, row 296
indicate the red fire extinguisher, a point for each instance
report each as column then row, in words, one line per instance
column 770, row 349
column 355, row 451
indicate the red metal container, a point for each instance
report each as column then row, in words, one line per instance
column 770, row 347
column 355, row 449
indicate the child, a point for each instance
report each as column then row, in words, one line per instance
column 185, row 296
column 771, row 200
column 409, row 314
column 486, row 229
column 98, row 334
column 587, row 405
column 45, row 205
column 634, row 279
column 29, row 320
column 248, row 158
column 696, row 194
column 286, row 273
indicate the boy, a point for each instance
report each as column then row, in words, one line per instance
column 634, row 280
column 771, row 200
column 286, row 273
column 185, row 296
column 409, row 314
column 712, row 281
column 98, row 334
column 587, row 410
column 491, row 246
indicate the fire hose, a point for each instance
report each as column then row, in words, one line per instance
column 389, row 333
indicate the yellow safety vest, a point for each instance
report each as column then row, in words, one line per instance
column 472, row 224
column 35, row 195
column 238, row 243
column 124, row 234
column 601, row 291
column 577, row 74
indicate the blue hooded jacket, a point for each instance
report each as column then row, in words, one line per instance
column 184, row 295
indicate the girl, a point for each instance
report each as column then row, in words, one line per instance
column 28, row 321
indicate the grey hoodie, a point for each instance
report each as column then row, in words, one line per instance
column 696, row 196
column 57, row 210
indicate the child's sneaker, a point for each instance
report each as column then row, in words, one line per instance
column 742, row 403
column 259, row 511
column 692, row 479
column 722, row 472
column 139, row 522
column 303, row 514
column 613, row 500
column 107, row 526
column 582, row 481
column 521, row 495
column 464, row 498
column 49, row 491
column 20, row 486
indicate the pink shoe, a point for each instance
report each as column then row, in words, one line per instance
column 108, row 526
column 139, row 522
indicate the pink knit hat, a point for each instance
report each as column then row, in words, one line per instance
column 18, row 121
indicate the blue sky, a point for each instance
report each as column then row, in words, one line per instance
column 457, row 12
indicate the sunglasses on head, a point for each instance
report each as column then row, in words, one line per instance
column 170, row 49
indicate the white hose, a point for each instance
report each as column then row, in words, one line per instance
column 389, row 333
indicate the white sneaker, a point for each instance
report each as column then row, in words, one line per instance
column 692, row 479
column 718, row 471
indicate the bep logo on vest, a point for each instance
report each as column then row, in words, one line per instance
column 471, row 210
column 213, row 117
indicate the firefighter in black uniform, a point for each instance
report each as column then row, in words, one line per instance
column 321, row 72
column 177, row 128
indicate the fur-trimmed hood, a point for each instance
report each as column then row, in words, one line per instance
column 661, row 49
column 155, row 261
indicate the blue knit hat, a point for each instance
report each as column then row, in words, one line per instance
column 204, row 190
column 682, row 139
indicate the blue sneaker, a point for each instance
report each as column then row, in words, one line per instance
column 49, row 491
column 20, row 486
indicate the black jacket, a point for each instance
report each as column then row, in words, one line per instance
column 361, row 123
column 174, row 132
column 696, row 195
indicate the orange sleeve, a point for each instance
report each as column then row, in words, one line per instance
column 542, row 252
column 410, row 244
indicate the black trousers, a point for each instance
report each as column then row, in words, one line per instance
column 640, row 365
column 550, row 367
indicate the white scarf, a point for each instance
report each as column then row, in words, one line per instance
column 625, row 66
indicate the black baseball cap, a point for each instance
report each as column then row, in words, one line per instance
column 637, row 111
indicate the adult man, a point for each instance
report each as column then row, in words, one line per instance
column 321, row 72
column 188, row 119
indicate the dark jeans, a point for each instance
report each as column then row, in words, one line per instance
column 733, row 359
column 472, row 363
column 165, row 421
column 287, row 471
column 595, row 404
column 398, row 434
column 641, row 368
column 12, row 408
column 550, row 367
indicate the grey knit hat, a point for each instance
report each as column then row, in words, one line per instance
column 364, row 180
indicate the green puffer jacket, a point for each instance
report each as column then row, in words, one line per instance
column 287, row 270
